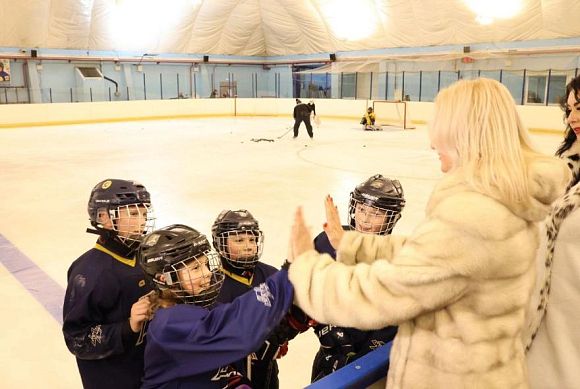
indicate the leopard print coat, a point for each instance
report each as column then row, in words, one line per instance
column 561, row 208
column 560, row 211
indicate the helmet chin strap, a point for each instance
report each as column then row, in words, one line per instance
column 93, row 231
column 110, row 235
column 103, row 232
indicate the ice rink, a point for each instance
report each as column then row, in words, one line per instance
column 193, row 169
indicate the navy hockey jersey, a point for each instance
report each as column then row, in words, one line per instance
column 236, row 285
column 191, row 347
column 102, row 287
column 264, row 373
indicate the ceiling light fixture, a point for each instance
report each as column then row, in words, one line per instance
column 487, row 11
column 350, row 20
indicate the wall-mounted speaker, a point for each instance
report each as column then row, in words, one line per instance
column 466, row 49
column 206, row 58
column 33, row 53
column 332, row 57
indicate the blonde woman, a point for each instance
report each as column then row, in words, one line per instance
column 459, row 285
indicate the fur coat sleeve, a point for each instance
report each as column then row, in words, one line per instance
column 352, row 251
column 397, row 279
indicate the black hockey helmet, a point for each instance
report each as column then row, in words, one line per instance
column 370, row 109
column 379, row 196
column 117, row 197
column 238, row 225
column 180, row 258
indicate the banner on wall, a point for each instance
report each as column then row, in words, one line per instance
column 4, row 71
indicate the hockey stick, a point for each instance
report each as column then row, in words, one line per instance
column 284, row 134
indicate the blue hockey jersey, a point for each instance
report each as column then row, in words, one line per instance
column 191, row 347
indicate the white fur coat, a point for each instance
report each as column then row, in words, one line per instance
column 458, row 287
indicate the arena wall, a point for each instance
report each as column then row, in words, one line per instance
column 536, row 118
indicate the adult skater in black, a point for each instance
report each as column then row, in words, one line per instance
column 302, row 114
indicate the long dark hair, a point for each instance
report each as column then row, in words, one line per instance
column 570, row 136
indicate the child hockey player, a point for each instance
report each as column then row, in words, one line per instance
column 374, row 208
column 239, row 242
column 102, row 311
column 190, row 342
column 368, row 121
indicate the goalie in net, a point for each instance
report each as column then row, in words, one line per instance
column 392, row 113
column 368, row 121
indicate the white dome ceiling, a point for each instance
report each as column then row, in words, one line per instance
column 271, row 27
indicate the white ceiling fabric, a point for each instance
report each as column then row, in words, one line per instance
column 268, row 27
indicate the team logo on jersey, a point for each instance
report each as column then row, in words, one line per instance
column 80, row 281
column 96, row 335
column 225, row 372
column 107, row 184
column 263, row 294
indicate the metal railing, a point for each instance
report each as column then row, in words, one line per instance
column 527, row 87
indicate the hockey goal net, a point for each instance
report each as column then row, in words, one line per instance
column 392, row 113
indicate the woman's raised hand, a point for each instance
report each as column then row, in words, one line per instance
column 333, row 226
column 300, row 239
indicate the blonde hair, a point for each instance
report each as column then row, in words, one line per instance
column 161, row 299
column 477, row 125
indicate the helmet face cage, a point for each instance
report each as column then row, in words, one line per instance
column 128, row 207
column 131, row 222
column 375, row 205
column 242, row 249
column 368, row 218
column 195, row 280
